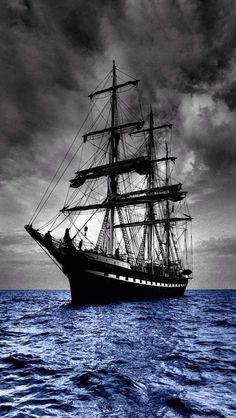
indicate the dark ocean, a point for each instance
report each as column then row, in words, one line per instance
column 167, row 358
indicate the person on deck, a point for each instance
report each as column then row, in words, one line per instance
column 67, row 239
column 117, row 253
column 80, row 244
column 48, row 237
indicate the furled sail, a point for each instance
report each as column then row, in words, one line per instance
column 124, row 127
column 154, row 222
column 141, row 165
column 171, row 188
column 120, row 201
column 116, row 87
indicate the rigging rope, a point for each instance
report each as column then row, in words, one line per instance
column 63, row 220
column 41, row 204
column 52, row 220
column 49, row 255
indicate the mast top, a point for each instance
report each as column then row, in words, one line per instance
column 114, row 86
column 151, row 112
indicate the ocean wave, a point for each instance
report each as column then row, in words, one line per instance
column 145, row 359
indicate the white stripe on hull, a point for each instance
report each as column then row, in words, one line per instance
column 135, row 280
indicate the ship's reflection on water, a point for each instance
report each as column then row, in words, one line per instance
column 167, row 358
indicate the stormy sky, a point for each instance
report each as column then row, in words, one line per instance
column 53, row 54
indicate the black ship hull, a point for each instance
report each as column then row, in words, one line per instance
column 96, row 278
column 91, row 288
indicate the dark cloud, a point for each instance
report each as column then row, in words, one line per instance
column 53, row 54
column 212, row 138
column 24, row 264
column 185, row 52
column 213, row 31
column 222, row 247
column 191, row 41
column 18, row 249
column 228, row 94
column 47, row 53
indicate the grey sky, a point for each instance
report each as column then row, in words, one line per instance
column 53, row 54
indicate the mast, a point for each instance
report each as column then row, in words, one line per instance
column 167, row 214
column 112, row 180
column 150, row 185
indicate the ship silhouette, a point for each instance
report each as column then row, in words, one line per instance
column 127, row 231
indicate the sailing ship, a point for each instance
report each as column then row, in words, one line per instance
column 127, row 223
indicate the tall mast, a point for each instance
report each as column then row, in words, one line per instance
column 167, row 225
column 150, row 184
column 112, row 180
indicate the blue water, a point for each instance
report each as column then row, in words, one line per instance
column 168, row 358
